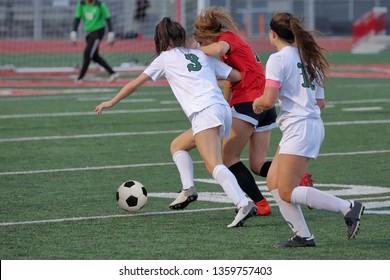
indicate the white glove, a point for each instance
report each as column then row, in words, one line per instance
column 110, row 38
column 73, row 37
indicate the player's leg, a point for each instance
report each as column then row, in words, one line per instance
column 233, row 146
column 208, row 143
column 257, row 151
column 91, row 42
column 179, row 150
column 95, row 53
column 280, row 182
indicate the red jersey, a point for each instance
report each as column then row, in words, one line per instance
column 241, row 57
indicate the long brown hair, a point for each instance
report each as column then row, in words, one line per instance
column 212, row 22
column 289, row 29
column 169, row 33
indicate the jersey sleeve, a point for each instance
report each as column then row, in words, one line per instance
column 156, row 69
column 78, row 12
column 274, row 69
column 319, row 92
column 105, row 11
column 222, row 70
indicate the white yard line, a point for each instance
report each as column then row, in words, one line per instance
column 89, row 168
column 77, row 114
column 80, row 136
column 363, row 109
column 72, row 219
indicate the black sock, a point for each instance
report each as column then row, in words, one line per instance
column 264, row 169
column 246, row 181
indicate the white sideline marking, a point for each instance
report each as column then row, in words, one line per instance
column 73, row 114
column 129, row 100
column 153, row 164
column 90, row 135
column 358, row 122
column 362, row 109
column 58, row 137
column 361, row 101
column 111, row 216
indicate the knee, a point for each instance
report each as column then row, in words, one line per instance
column 285, row 195
column 174, row 147
column 255, row 167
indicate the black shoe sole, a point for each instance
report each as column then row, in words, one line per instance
column 181, row 206
column 353, row 235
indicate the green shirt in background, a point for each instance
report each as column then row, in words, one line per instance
column 93, row 15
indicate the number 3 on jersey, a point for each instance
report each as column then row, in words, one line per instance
column 195, row 65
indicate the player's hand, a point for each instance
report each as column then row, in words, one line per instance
column 73, row 37
column 105, row 104
column 256, row 108
column 111, row 38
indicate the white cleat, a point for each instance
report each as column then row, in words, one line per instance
column 244, row 213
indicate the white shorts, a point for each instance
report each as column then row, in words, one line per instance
column 212, row 116
column 303, row 138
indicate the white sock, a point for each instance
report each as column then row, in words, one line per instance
column 292, row 214
column 185, row 167
column 230, row 185
column 315, row 198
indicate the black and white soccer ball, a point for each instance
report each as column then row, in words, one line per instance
column 131, row 196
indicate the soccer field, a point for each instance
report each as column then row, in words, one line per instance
column 60, row 166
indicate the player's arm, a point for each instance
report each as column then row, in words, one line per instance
column 227, row 91
column 123, row 93
column 76, row 22
column 216, row 49
column 269, row 97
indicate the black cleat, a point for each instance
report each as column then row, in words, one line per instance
column 297, row 241
column 352, row 218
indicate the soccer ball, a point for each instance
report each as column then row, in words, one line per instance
column 131, row 196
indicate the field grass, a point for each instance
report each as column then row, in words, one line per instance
column 60, row 166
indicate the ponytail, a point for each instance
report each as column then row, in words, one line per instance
column 289, row 28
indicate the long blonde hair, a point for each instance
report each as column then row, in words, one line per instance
column 210, row 23
column 289, row 29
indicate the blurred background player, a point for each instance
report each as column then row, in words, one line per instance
column 95, row 17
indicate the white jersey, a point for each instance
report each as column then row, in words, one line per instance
column 192, row 77
column 297, row 97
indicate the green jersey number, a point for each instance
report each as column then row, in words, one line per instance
column 195, row 65
column 306, row 82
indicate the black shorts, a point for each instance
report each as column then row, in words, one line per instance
column 261, row 122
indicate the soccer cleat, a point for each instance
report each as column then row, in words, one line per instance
column 78, row 80
column 185, row 197
column 244, row 213
column 352, row 218
column 263, row 208
column 307, row 181
column 297, row 241
column 113, row 77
